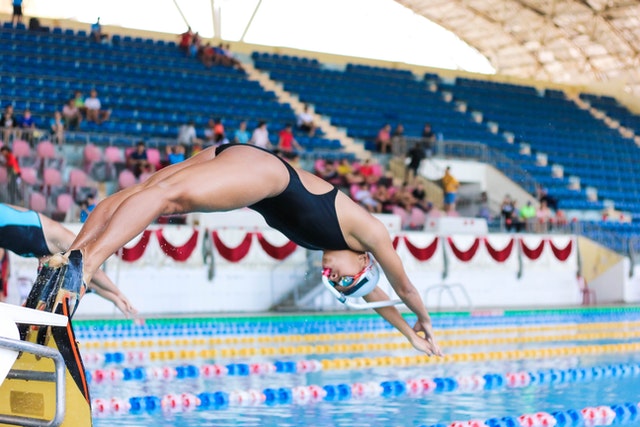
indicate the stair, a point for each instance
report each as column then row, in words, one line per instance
column 284, row 97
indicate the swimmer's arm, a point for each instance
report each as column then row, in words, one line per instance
column 119, row 300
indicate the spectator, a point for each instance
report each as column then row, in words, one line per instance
column 344, row 167
column 8, row 123
column 16, row 17
column 209, row 133
column 450, row 185
column 187, row 134
column 176, row 154
column 241, row 135
column 420, row 195
column 543, row 195
column 86, row 206
column 305, row 121
column 509, row 214
column 382, row 195
column 78, row 101
column 185, row 41
column 415, row 156
column 329, row 173
column 196, row 148
column 484, row 211
column 218, row 132
column 287, row 144
column 383, row 140
column 368, row 171
column 93, row 106
column 13, row 174
column 364, row 197
column 544, row 217
column 527, row 216
column 28, row 126
column 196, row 45
column 138, row 162
column 398, row 141
column 71, row 115
column 96, row 33
column 260, row 136
column 428, row 140
column 208, row 55
column 56, row 126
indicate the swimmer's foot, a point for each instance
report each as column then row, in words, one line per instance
column 72, row 286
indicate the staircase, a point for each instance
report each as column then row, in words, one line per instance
column 307, row 290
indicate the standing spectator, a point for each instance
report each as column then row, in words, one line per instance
column 428, row 140
column 16, row 17
column 71, row 115
column 96, row 33
column 415, row 156
column 13, row 174
column 398, row 141
column 450, row 185
column 305, row 121
column 8, row 123
column 287, row 143
column 383, row 140
column 527, row 216
column 185, row 41
column 187, row 134
column 210, row 133
column 543, row 196
column 138, row 162
column 93, row 106
column 196, row 45
column 508, row 213
column 241, row 135
column 218, row 131
column 56, row 126
column 28, row 126
column 260, row 136
column 544, row 217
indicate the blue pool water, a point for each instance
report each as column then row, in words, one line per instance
column 163, row 372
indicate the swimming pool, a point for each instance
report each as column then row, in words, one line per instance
column 355, row 370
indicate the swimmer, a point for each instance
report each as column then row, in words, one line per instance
column 32, row 234
column 305, row 208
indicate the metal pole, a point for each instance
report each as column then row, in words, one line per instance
column 253, row 15
column 181, row 14
column 213, row 22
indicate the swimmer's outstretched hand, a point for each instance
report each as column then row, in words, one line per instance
column 424, row 340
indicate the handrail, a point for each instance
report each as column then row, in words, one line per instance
column 58, row 377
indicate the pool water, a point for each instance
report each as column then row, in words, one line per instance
column 355, row 370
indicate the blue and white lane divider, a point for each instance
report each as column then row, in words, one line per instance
column 485, row 381
column 342, row 392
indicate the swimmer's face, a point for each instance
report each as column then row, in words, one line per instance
column 346, row 263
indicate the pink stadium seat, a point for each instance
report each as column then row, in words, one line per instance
column 77, row 178
column 113, row 155
column 144, row 176
column 21, row 148
column 52, row 177
column 64, row 202
column 4, row 178
column 46, row 150
column 37, row 202
column 318, row 165
column 29, row 175
column 91, row 154
column 154, row 157
column 126, row 179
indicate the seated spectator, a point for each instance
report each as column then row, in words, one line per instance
column 483, row 210
column 94, row 110
column 196, row 45
column 219, row 135
column 71, row 115
column 382, row 195
column 369, row 171
column 8, row 123
column 96, row 33
column 260, row 136
column 196, row 148
column 328, row 171
column 209, row 133
column 226, row 58
column 305, row 121
column 78, row 101
column 364, row 197
column 383, row 139
column 138, row 162
column 56, row 126
column 175, row 154
column 287, row 144
column 415, row 156
column 241, row 135
column 86, row 206
column 28, row 126
column 207, row 55
column 420, row 195
column 344, row 167
column 543, row 195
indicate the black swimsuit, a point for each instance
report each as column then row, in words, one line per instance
column 310, row 220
